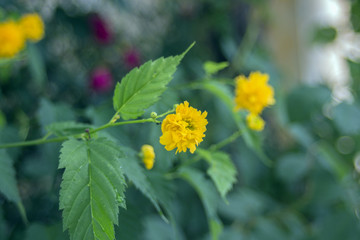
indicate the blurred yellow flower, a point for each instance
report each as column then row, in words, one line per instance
column 148, row 156
column 255, row 122
column 184, row 129
column 12, row 39
column 32, row 26
column 253, row 93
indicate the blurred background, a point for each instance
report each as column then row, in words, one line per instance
column 310, row 49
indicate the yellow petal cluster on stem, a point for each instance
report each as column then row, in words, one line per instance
column 183, row 130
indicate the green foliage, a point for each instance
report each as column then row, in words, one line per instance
column 222, row 171
column 212, row 68
column 142, row 87
column 36, row 64
column 92, row 188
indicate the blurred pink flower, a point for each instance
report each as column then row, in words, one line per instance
column 100, row 29
column 101, row 79
column 132, row 58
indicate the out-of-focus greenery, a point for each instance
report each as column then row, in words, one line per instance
column 303, row 185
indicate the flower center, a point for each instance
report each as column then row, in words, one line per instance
column 190, row 125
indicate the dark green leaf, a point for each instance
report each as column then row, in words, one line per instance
column 8, row 185
column 292, row 167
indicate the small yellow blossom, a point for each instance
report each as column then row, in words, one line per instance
column 33, row 26
column 255, row 122
column 253, row 93
column 148, row 156
column 12, row 39
column 184, row 129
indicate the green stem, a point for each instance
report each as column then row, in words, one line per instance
column 225, row 142
column 44, row 139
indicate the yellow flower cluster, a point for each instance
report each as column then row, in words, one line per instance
column 13, row 35
column 254, row 94
column 148, row 156
column 184, row 129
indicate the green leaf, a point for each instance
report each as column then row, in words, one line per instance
column 222, row 171
column 355, row 75
column 92, row 188
column 143, row 86
column 346, row 118
column 214, row 67
column 8, row 185
column 325, row 35
column 132, row 169
column 67, row 128
column 207, row 194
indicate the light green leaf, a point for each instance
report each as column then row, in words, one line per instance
column 208, row 196
column 67, row 128
column 214, row 67
column 143, row 86
column 132, row 169
column 222, row 171
column 92, row 188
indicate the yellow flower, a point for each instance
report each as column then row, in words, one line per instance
column 33, row 26
column 184, row 129
column 12, row 39
column 255, row 122
column 148, row 156
column 253, row 93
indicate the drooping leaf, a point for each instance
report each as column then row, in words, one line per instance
column 67, row 128
column 143, row 86
column 214, row 67
column 222, row 171
column 208, row 195
column 8, row 185
column 136, row 174
column 92, row 188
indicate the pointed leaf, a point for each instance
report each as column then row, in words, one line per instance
column 92, row 188
column 214, row 67
column 143, row 86
column 222, row 171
